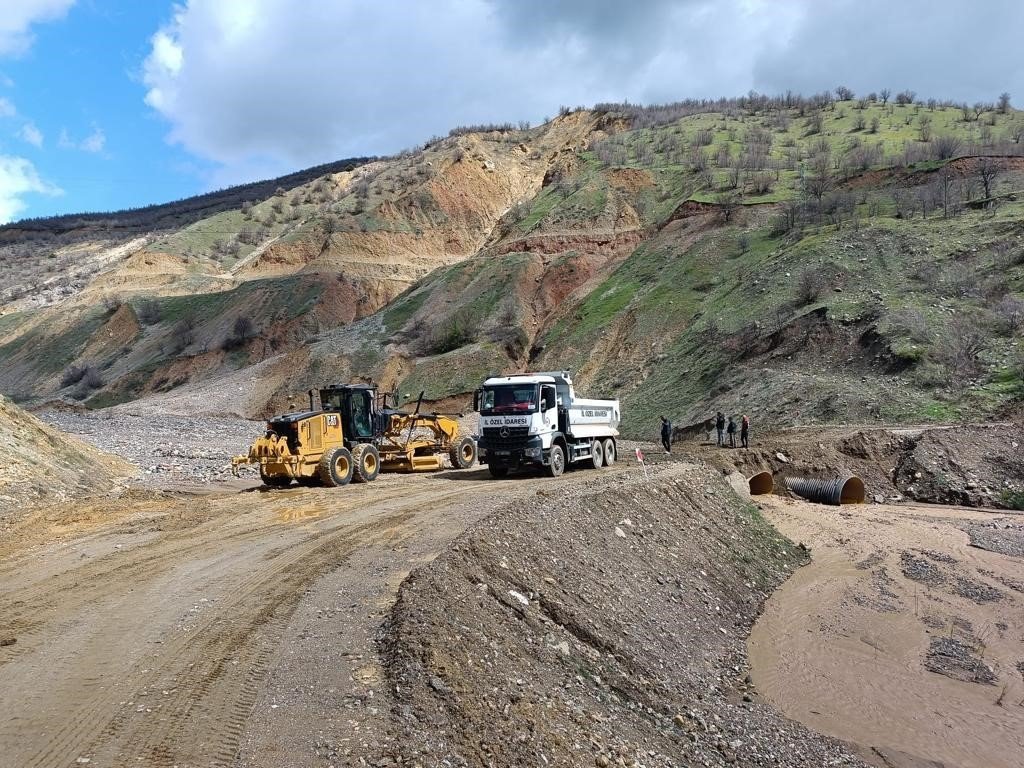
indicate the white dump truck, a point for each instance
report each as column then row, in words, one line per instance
column 536, row 420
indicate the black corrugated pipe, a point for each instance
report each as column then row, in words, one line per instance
column 836, row 491
column 761, row 484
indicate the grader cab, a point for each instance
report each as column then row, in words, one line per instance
column 353, row 437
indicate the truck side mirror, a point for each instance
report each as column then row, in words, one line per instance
column 476, row 401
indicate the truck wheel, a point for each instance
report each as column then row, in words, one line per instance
column 367, row 463
column 556, row 460
column 274, row 481
column 335, row 467
column 498, row 470
column 609, row 452
column 463, row 453
column 596, row 454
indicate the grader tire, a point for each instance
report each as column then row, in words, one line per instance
column 463, row 453
column 366, row 461
column 274, row 481
column 335, row 468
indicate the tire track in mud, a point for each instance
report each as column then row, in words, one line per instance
column 28, row 610
column 203, row 684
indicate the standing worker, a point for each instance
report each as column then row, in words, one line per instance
column 666, row 434
column 720, row 426
column 731, row 429
column 744, row 428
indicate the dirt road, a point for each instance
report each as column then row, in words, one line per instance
column 903, row 636
column 216, row 630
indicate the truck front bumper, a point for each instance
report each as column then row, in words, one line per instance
column 531, row 451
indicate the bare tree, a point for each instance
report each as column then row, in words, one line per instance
column 989, row 169
column 946, row 184
column 1004, row 103
column 843, row 93
column 727, row 205
column 944, row 147
column 884, row 94
column 875, row 122
column 924, row 123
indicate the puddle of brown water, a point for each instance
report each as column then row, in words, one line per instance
column 856, row 672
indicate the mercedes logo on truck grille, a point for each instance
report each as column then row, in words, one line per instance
column 504, row 432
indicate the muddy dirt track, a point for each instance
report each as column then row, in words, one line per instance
column 188, row 631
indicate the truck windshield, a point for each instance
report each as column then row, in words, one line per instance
column 509, row 398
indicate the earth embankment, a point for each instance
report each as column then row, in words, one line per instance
column 600, row 624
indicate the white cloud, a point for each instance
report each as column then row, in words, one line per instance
column 32, row 135
column 258, row 87
column 94, row 142
column 7, row 108
column 18, row 177
column 18, row 16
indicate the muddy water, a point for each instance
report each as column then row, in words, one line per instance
column 842, row 645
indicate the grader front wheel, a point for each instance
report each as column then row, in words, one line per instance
column 367, row 463
column 463, row 453
column 335, row 467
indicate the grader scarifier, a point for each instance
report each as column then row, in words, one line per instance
column 352, row 438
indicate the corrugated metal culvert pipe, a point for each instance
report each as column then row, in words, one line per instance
column 836, row 491
column 761, row 484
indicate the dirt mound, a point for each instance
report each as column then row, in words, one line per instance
column 975, row 465
column 595, row 627
column 37, row 461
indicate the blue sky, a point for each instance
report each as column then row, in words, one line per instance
column 75, row 110
column 110, row 104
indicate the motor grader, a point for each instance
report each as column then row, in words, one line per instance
column 352, row 438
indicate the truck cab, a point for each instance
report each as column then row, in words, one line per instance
column 536, row 420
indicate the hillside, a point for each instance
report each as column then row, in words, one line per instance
column 804, row 260
column 37, row 461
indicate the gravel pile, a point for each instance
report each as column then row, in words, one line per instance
column 1002, row 535
column 921, row 570
column 952, row 658
column 603, row 626
column 166, row 449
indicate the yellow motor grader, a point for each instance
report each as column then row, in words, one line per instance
column 352, row 438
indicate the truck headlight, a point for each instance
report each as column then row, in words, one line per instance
column 533, row 453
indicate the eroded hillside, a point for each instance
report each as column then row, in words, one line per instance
column 803, row 260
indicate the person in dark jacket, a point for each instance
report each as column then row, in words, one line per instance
column 744, row 429
column 731, row 429
column 666, row 434
column 720, row 426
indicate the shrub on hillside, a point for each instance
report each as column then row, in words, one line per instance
column 959, row 349
column 242, row 330
column 1010, row 315
column 87, row 378
column 148, row 312
column 72, row 375
column 809, row 286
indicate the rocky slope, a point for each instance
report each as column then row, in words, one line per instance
column 804, row 260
